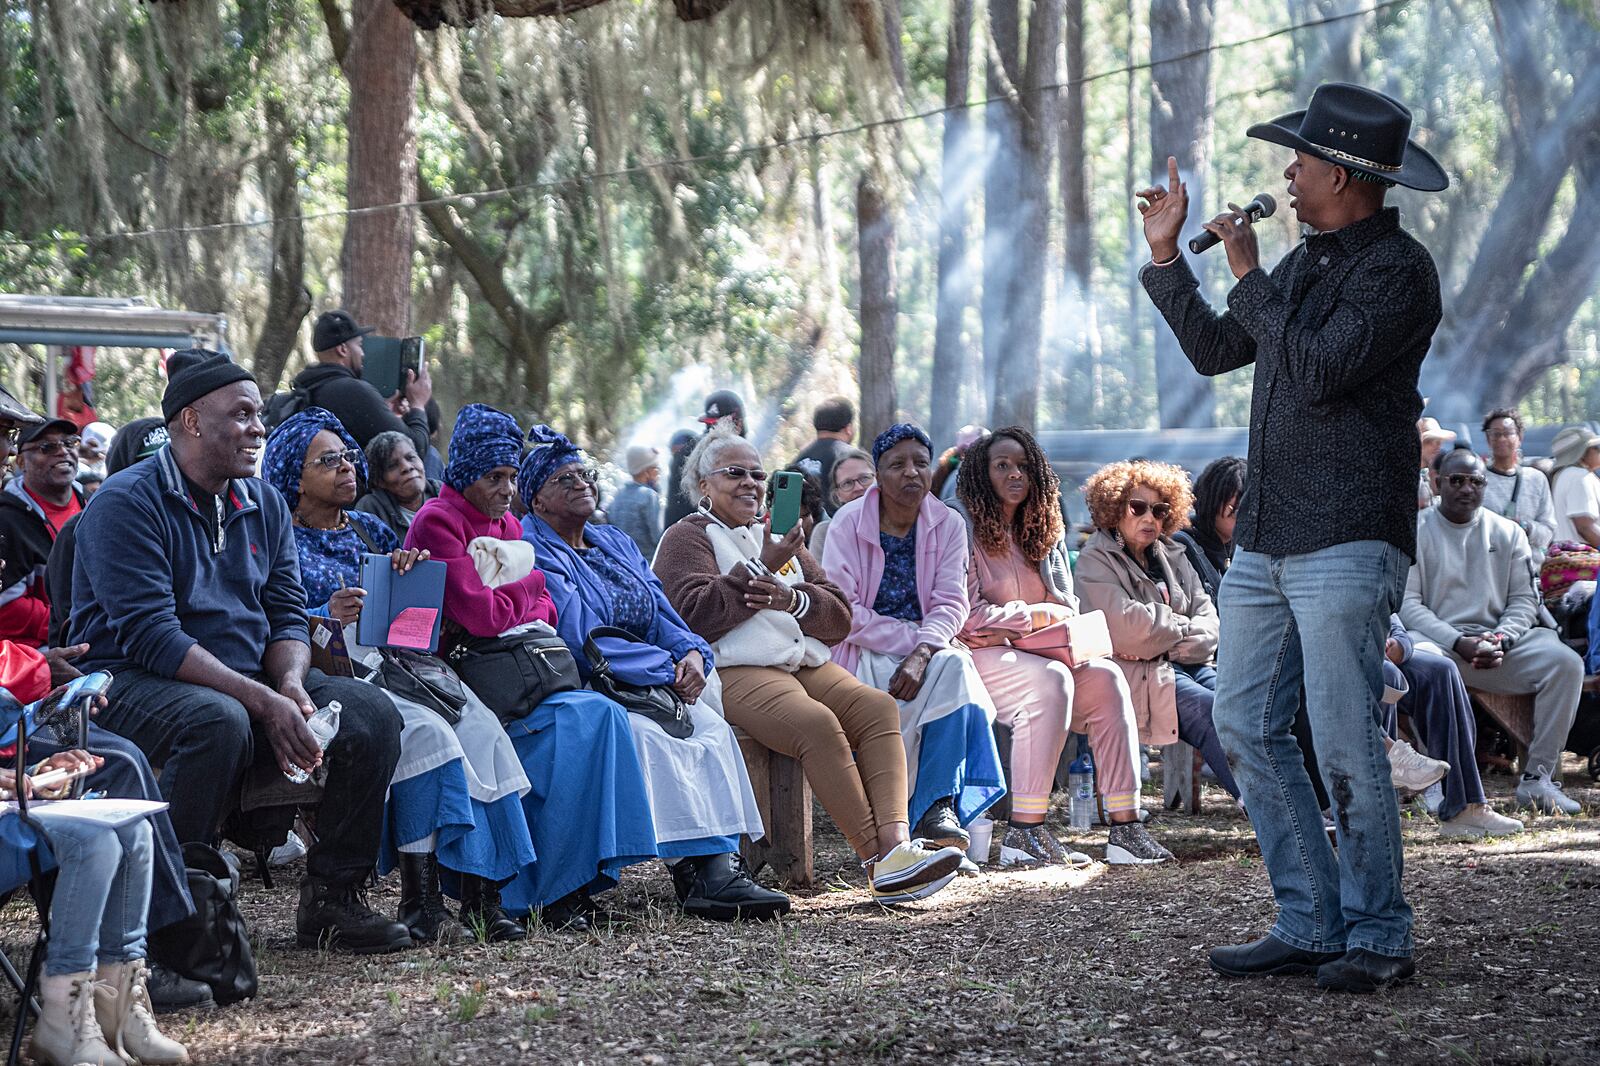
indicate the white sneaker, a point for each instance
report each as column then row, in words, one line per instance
column 1544, row 795
column 291, row 849
column 1479, row 820
column 912, row 864
column 1412, row 771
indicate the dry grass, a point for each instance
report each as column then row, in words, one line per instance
column 1106, row 965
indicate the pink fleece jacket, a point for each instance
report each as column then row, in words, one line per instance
column 853, row 559
column 445, row 525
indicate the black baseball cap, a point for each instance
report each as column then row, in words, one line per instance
column 720, row 405
column 333, row 328
column 33, row 432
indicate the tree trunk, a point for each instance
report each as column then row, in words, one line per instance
column 879, row 309
column 1079, row 234
column 381, row 64
column 288, row 302
column 1015, row 401
column 1002, row 135
column 957, row 177
column 1332, row 50
column 1180, row 125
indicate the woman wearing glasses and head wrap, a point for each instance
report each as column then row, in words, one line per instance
column 700, row 795
column 1163, row 625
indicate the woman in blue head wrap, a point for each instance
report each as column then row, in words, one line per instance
column 588, row 810
column 454, row 801
column 900, row 557
column 700, row 795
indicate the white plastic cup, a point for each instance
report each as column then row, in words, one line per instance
column 981, row 834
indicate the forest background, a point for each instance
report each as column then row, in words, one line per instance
column 598, row 210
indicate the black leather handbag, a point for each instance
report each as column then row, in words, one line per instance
column 212, row 945
column 515, row 674
column 423, row 679
column 658, row 702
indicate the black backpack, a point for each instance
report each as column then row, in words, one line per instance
column 285, row 405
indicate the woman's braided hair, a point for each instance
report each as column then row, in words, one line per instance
column 1037, row 525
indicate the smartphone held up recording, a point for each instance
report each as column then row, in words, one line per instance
column 785, row 500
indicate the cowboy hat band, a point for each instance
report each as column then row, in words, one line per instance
column 1360, row 129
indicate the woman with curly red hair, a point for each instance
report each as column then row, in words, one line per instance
column 1163, row 625
column 1019, row 579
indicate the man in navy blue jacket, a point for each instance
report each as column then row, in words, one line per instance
column 187, row 588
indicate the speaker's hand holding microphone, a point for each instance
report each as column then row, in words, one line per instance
column 1234, row 229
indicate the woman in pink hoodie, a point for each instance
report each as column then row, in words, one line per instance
column 900, row 557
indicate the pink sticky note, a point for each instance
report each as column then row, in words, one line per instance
column 413, row 627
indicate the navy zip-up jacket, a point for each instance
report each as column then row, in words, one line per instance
column 149, row 583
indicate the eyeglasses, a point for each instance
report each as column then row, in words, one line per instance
column 739, row 473
column 333, row 460
column 12, row 434
column 54, row 447
column 569, row 481
column 864, row 481
column 1457, row 481
column 1137, row 508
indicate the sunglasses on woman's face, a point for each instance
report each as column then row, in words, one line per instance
column 573, row 478
column 1137, row 508
column 739, row 473
column 333, row 460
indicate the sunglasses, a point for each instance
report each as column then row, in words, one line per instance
column 333, row 460
column 1137, row 508
column 1459, row 480
column 55, row 447
column 569, row 481
column 739, row 473
column 12, row 434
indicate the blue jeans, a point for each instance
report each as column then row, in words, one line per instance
column 1196, row 695
column 1320, row 619
column 102, row 894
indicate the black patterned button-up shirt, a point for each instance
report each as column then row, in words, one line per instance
column 1338, row 332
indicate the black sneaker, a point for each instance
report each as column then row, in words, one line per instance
column 939, row 825
column 169, row 991
column 719, row 887
column 337, row 917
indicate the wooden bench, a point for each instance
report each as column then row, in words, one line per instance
column 784, row 796
column 1514, row 714
column 1180, row 777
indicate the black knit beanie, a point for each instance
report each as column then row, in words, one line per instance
column 195, row 372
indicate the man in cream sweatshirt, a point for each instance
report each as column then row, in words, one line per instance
column 1471, row 595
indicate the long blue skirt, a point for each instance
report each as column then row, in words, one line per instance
column 488, row 840
column 959, row 759
column 588, row 810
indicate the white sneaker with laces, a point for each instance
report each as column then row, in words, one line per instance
column 914, row 864
column 1412, row 771
column 1539, row 793
column 1479, row 820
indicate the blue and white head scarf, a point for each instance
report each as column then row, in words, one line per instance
column 894, row 435
column 483, row 439
column 285, row 457
column 551, row 451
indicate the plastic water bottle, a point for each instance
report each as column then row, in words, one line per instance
column 324, row 724
column 1080, row 786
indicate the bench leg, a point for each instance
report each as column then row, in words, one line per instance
column 1180, row 778
column 784, row 799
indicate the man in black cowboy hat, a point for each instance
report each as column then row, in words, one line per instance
column 1327, row 523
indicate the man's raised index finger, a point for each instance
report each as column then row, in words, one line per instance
column 1172, row 174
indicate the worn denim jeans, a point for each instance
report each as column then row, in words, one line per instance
column 97, row 914
column 1319, row 618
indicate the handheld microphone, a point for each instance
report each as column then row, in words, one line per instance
column 1261, row 207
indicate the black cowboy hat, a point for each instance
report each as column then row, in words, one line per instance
column 1359, row 129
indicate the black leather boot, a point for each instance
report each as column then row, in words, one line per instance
column 1363, row 971
column 939, row 825
column 720, row 887
column 337, row 917
column 569, row 914
column 1267, row 957
column 422, row 907
column 482, row 914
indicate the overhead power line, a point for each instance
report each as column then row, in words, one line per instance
column 777, row 144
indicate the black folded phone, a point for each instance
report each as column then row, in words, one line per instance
column 385, row 360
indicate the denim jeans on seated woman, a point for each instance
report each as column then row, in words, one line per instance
column 1334, row 603
column 1197, row 685
column 97, row 914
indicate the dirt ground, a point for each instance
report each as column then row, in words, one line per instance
column 1106, row 965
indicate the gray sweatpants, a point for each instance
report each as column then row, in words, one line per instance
column 1538, row 663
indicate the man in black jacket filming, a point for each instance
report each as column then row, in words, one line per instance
column 335, row 383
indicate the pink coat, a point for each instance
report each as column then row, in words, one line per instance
column 853, row 559
column 445, row 525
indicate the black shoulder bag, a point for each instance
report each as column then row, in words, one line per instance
column 659, row 703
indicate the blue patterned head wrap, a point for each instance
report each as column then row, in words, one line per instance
column 894, row 435
column 285, row 457
column 482, row 440
column 551, row 451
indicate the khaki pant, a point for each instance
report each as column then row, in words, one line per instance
column 1538, row 663
column 820, row 715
